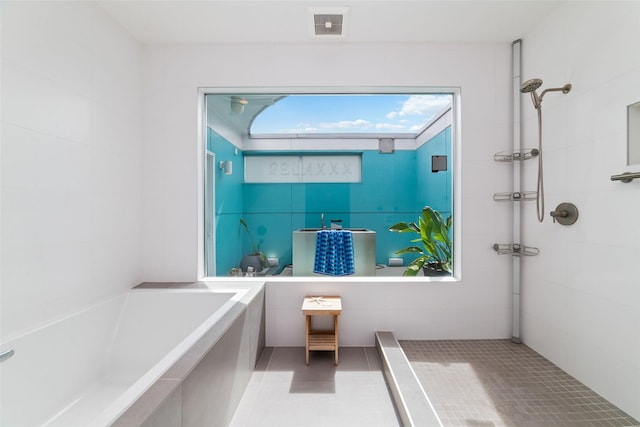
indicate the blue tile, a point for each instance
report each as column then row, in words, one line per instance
column 394, row 188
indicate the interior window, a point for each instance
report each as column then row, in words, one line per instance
column 282, row 167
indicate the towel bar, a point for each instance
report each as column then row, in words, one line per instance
column 626, row 176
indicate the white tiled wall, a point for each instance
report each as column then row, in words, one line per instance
column 478, row 307
column 581, row 296
column 411, row 310
column 71, row 160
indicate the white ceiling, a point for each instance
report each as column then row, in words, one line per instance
column 245, row 21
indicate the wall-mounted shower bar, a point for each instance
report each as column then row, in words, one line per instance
column 626, row 176
column 518, row 154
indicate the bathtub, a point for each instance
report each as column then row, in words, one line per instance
column 96, row 366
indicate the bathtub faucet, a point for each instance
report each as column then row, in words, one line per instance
column 322, row 220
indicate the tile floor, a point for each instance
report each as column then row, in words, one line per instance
column 283, row 391
column 498, row 383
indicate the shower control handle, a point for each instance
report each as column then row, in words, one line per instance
column 565, row 214
column 559, row 214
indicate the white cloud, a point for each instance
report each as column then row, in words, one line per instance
column 424, row 105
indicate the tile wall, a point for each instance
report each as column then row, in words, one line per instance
column 71, row 160
column 478, row 305
column 581, row 295
column 394, row 187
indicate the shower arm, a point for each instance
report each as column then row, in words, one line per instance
column 564, row 89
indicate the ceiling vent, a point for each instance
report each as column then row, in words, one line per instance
column 328, row 22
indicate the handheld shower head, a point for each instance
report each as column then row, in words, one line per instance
column 530, row 85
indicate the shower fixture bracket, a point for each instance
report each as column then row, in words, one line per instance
column 515, row 249
column 516, row 196
column 514, row 156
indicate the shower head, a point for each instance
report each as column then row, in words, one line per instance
column 530, row 85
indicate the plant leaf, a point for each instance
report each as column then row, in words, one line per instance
column 410, row 249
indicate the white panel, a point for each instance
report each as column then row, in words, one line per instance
column 272, row 169
column 304, row 169
column 577, row 313
column 71, row 160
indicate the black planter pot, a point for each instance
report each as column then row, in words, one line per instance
column 254, row 261
column 433, row 271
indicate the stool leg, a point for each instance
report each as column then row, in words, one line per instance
column 335, row 328
column 308, row 322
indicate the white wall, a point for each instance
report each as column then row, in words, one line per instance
column 477, row 307
column 71, row 159
column 581, row 295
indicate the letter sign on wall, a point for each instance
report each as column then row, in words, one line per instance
column 303, row 169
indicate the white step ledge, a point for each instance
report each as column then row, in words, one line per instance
column 413, row 404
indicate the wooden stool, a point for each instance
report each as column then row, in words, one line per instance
column 321, row 340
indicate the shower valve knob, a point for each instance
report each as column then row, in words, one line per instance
column 565, row 214
column 558, row 214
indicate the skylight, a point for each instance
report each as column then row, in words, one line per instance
column 349, row 115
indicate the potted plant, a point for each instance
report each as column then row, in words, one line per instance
column 435, row 255
column 256, row 258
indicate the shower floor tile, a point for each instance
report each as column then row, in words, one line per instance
column 498, row 383
column 283, row 391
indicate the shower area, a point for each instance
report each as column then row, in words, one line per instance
column 505, row 382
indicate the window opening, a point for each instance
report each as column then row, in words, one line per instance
column 275, row 220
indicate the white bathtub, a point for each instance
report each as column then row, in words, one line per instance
column 88, row 368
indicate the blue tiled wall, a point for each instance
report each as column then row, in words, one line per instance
column 394, row 188
column 229, row 208
column 438, row 187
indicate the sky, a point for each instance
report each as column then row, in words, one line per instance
column 349, row 114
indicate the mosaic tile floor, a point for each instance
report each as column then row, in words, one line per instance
column 498, row 383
